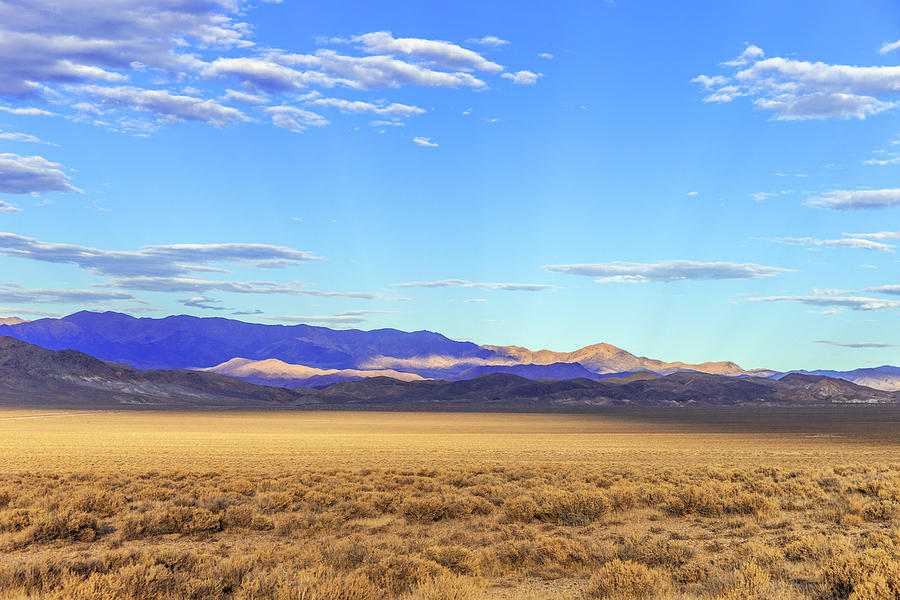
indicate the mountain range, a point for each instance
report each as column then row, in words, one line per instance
column 310, row 356
column 32, row 377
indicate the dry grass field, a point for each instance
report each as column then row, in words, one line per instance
column 726, row 504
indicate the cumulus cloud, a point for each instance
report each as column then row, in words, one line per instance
column 834, row 302
column 844, row 242
column 46, row 42
column 244, row 97
column 5, row 207
column 17, row 294
column 175, row 259
column 750, row 54
column 295, row 119
column 545, row 55
column 165, row 104
column 425, row 141
column 96, row 58
column 371, row 72
column 523, row 77
column 857, row 199
column 798, row 90
column 436, row 52
column 357, row 106
column 32, row 175
column 667, row 271
column 856, row 344
column 446, row 283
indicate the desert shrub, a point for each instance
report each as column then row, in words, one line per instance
column 100, row 503
column 321, row 584
column 653, row 552
column 188, row 520
column 398, row 574
column 65, row 524
column 521, row 509
column 624, row 580
column 706, row 501
column 748, row 581
column 867, row 575
column 751, row 503
column 881, row 510
column 815, row 547
column 15, row 520
column 448, row 587
column 454, row 557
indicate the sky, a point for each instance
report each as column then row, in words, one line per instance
column 693, row 181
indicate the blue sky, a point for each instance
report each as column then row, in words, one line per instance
column 712, row 181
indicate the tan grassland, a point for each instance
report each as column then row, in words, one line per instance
column 724, row 504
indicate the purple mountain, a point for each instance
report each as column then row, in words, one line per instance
column 180, row 342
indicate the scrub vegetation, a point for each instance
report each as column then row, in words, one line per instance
column 334, row 506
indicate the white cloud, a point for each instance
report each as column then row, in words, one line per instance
column 244, row 97
column 448, row 283
column 878, row 235
column 857, row 199
column 424, row 141
column 28, row 111
column 750, row 54
column 8, row 208
column 833, row 302
column 166, row 104
column 357, row 106
column 889, row 47
column 266, row 74
column 790, row 107
column 17, row 294
column 710, row 82
column 202, row 286
column 892, row 159
column 545, row 55
column 892, row 289
column 667, row 271
column 174, row 259
column 523, row 77
column 439, row 53
column 49, row 42
column 845, row 242
column 798, row 90
column 488, row 40
column 369, row 72
column 22, row 137
column 32, row 175
column 295, row 119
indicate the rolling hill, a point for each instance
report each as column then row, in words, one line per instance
column 31, row 376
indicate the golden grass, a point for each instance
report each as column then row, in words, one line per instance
column 727, row 505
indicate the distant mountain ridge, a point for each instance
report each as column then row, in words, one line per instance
column 31, row 376
column 316, row 356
